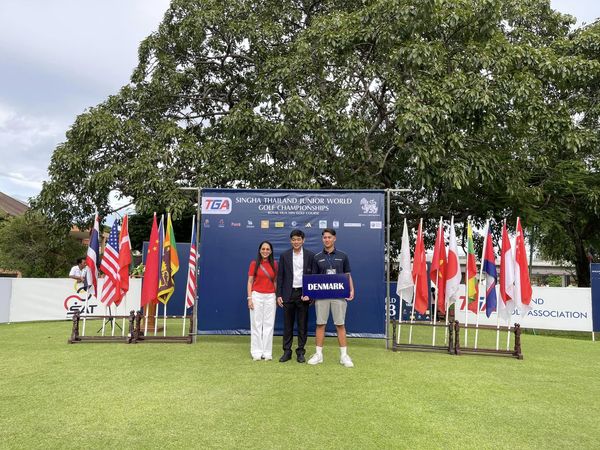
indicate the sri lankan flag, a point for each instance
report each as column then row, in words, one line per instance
column 472, row 285
column 170, row 264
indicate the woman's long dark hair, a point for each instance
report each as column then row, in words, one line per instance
column 271, row 258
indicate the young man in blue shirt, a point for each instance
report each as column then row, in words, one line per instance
column 332, row 261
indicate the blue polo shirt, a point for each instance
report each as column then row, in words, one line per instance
column 337, row 261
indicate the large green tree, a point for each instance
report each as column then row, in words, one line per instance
column 29, row 244
column 468, row 103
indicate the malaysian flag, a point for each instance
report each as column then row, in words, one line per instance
column 190, row 290
column 111, row 290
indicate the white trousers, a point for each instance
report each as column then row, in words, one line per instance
column 262, row 322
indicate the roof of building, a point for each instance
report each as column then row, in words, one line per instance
column 12, row 206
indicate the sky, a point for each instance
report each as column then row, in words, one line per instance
column 60, row 57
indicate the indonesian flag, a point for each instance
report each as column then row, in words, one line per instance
column 150, row 281
column 405, row 286
column 507, row 276
column 124, row 256
column 452, row 274
column 437, row 272
column 91, row 259
column 419, row 274
column 523, row 291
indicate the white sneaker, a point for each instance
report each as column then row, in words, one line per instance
column 256, row 358
column 346, row 361
column 315, row 359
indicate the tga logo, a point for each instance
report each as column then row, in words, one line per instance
column 216, row 205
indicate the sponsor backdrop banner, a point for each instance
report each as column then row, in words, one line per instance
column 595, row 278
column 58, row 298
column 234, row 222
column 568, row 309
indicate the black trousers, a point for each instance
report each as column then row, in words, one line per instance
column 295, row 310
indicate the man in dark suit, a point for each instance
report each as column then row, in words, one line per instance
column 293, row 264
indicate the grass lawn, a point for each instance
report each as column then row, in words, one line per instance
column 211, row 394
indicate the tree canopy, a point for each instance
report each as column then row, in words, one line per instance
column 479, row 107
column 27, row 245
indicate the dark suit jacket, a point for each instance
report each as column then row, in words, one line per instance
column 285, row 272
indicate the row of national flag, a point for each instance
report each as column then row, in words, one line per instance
column 115, row 263
column 162, row 263
column 445, row 272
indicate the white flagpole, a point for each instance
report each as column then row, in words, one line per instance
column 399, row 322
column 467, row 289
column 125, row 312
column 165, row 319
column 448, row 303
column 479, row 283
column 113, row 321
column 497, row 323
column 85, row 309
column 412, row 315
column 437, row 283
column 146, row 320
column 104, row 319
column 184, row 315
column 156, row 319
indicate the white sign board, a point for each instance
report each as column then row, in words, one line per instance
column 551, row 309
column 57, row 299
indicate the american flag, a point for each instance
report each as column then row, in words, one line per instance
column 111, row 291
column 190, row 290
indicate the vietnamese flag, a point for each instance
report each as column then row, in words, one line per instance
column 150, row 281
column 437, row 272
column 420, row 274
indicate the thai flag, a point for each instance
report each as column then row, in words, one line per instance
column 491, row 274
column 111, row 290
column 190, row 290
column 91, row 259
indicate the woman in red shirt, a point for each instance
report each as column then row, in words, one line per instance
column 262, row 279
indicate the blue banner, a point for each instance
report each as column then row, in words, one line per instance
column 235, row 222
column 319, row 287
column 595, row 283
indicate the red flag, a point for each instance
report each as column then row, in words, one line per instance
column 420, row 273
column 124, row 256
column 437, row 272
column 150, row 281
column 507, row 275
column 523, row 292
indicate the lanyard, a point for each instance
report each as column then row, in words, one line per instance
column 329, row 258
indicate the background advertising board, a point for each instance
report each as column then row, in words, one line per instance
column 235, row 222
